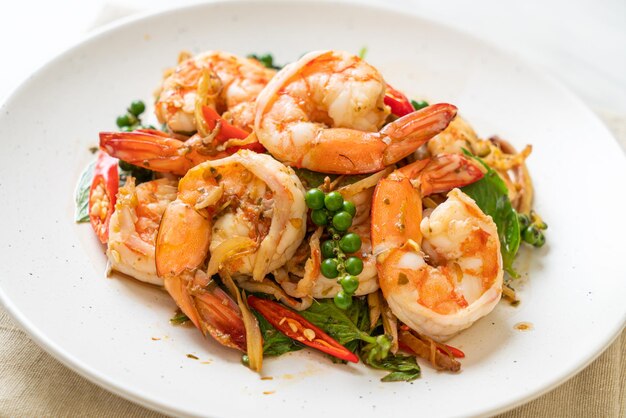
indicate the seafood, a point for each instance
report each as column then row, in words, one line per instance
column 157, row 151
column 247, row 211
column 457, row 136
column 496, row 152
column 441, row 274
column 389, row 249
column 134, row 225
column 231, row 85
column 325, row 113
column 301, row 276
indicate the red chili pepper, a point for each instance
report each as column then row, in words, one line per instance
column 102, row 194
column 296, row 327
column 453, row 350
column 228, row 131
column 398, row 102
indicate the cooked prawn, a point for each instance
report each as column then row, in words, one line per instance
column 445, row 272
column 158, row 151
column 325, row 113
column 233, row 84
column 134, row 225
column 246, row 215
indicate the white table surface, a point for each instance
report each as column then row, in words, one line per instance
column 581, row 43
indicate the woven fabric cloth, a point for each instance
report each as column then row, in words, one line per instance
column 33, row 384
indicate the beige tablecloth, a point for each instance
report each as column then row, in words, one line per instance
column 33, row 384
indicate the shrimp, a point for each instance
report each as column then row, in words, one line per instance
column 157, row 151
column 457, row 136
column 134, row 225
column 246, row 215
column 234, row 84
column 325, row 113
column 441, row 273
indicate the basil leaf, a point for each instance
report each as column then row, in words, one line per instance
column 275, row 343
column 403, row 368
column 491, row 195
column 312, row 179
column 338, row 323
column 82, row 194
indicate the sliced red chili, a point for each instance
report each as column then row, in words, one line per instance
column 398, row 102
column 296, row 327
column 228, row 131
column 102, row 194
column 453, row 350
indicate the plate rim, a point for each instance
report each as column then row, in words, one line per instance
column 136, row 395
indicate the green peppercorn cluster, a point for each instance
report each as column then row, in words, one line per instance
column 130, row 120
column 331, row 211
column 531, row 229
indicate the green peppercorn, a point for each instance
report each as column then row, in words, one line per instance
column 123, row 120
column 524, row 221
column 349, row 283
column 329, row 268
column 417, row 105
column 533, row 236
column 541, row 239
column 137, row 107
column 319, row 217
column 354, row 265
column 350, row 243
column 127, row 128
column 342, row 221
column 333, row 201
column 328, row 249
column 349, row 207
column 343, row 300
column 314, row 199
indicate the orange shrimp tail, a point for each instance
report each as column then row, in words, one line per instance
column 410, row 132
column 149, row 149
column 181, row 246
column 210, row 309
column 447, row 171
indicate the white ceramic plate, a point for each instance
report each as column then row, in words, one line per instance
column 116, row 332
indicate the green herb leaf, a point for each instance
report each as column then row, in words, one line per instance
column 363, row 52
column 82, row 194
column 179, row 318
column 140, row 174
column 403, row 368
column 311, row 179
column 491, row 195
column 275, row 343
column 266, row 59
column 338, row 323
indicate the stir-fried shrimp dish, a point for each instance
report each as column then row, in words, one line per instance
column 312, row 206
